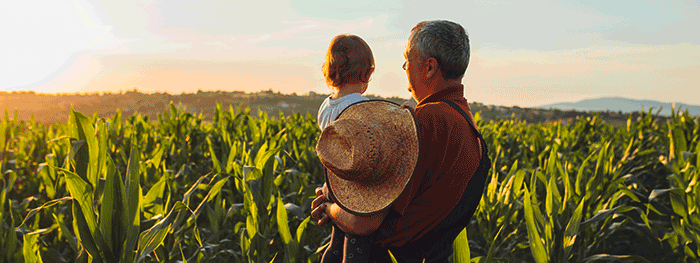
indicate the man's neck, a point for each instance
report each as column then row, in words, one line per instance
column 441, row 84
column 451, row 82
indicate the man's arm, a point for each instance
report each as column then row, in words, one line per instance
column 349, row 223
column 327, row 212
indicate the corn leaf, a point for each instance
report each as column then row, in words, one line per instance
column 88, row 232
column 48, row 204
column 214, row 159
column 536, row 245
column 233, row 152
column 553, row 198
column 489, row 254
column 30, row 248
column 154, row 236
column 153, row 202
column 10, row 237
column 72, row 240
column 3, row 197
column 87, row 159
column 3, row 129
column 191, row 190
column 131, row 219
column 216, row 189
column 252, row 218
column 572, row 229
column 697, row 156
column 678, row 143
column 112, row 209
column 82, row 230
column 46, row 178
column 461, row 248
column 615, row 258
column 283, row 228
column 213, row 192
column 81, row 191
column 301, row 230
column 601, row 215
column 393, row 259
column 102, row 147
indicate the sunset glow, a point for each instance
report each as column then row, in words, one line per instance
column 525, row 54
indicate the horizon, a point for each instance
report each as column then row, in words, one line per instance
column 593, row 50
column 121, row 92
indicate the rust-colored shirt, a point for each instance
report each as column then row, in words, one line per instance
column 449, row 155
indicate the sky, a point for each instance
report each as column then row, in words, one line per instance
column 525, row 53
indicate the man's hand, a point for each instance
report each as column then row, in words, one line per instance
column 320, row 207
column 322, row 213
column 322, row 196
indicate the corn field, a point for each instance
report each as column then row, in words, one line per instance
column 238, row 188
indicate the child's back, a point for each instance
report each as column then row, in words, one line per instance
column 330, row 108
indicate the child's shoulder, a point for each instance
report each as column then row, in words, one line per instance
column 352, row 98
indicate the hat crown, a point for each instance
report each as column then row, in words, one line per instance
column 353, row 150
column 369, row 152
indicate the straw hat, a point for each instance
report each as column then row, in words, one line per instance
column 370, row 152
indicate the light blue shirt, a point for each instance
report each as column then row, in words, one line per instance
column 330, row 108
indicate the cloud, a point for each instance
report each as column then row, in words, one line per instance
column 262, row 37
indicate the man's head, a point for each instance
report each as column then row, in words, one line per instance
column 437, row 46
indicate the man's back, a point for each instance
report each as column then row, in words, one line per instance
column 449, row 155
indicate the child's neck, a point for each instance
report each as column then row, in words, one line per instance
column 348, row 89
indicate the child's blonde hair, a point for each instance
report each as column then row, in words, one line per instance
column 349, row 60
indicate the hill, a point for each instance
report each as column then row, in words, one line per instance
column 51, row 108
column 624, row 105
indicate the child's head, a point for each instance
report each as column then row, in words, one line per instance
column 349, row 60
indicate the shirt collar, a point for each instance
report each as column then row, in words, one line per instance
column 450, row 92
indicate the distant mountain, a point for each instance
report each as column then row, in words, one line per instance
column 622, row 104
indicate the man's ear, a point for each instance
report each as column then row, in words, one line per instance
column 433, row 67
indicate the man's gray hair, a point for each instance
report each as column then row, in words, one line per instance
column 445, row 41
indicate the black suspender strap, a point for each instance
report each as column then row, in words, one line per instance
column 471, row 123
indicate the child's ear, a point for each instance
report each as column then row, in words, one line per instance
column 369, row 74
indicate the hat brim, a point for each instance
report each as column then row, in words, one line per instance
column 363, row 199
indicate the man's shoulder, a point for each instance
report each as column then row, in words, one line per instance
column 434, row 110
column 440, row 115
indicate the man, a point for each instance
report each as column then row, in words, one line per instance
column 449, row 177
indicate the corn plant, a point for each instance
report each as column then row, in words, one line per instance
column 238, row 187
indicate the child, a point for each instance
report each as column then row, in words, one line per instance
column 347, row 69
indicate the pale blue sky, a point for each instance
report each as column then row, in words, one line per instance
column 525, row 53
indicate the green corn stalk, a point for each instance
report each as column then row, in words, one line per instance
column 132, row 205
column 87, row 157
column 684, row 194
column 113, row 210
column 537, row 245
column 8, row 242
column 603, row 177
